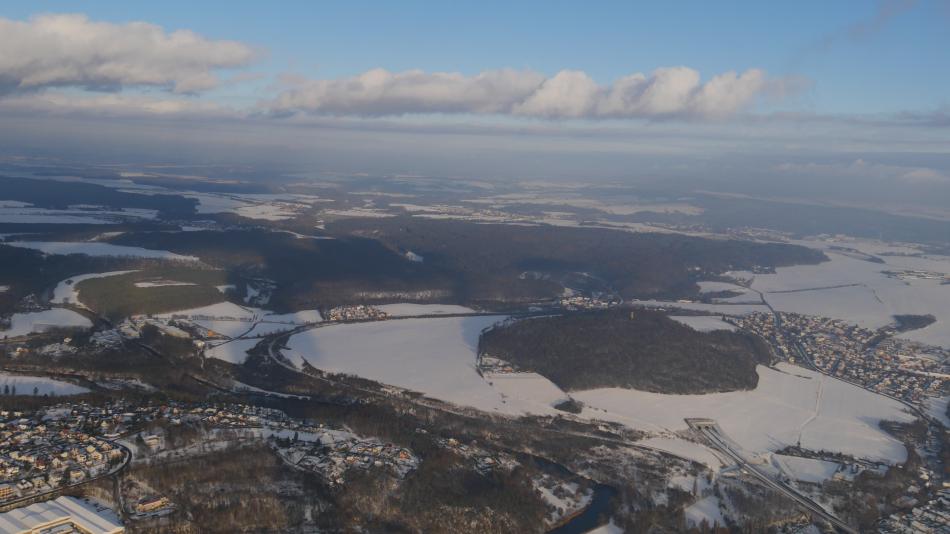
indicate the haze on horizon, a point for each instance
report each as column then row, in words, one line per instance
column 844, row 102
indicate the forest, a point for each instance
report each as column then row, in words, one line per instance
column 639, row 349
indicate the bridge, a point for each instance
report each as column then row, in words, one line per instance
column 714, row 435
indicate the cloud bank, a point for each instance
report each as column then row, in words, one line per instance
column 665, row 92
column 73, row 51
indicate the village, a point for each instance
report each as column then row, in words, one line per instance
column 875, row 359
column 64, row 446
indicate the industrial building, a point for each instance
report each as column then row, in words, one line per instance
column 63, row 515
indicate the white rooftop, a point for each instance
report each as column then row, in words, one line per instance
column 63, row 511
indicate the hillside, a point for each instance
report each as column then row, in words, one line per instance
column 491, row 260
column 609, row 349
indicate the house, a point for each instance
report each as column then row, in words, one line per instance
column 150, row 504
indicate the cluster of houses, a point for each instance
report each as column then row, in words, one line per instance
column 578, row 302
column 482, row 460
column 917, row 274
column 358, row 312
column 873, row 358
column 932, row 517
column 488, row 365
column 330, row 457
column 38, row 455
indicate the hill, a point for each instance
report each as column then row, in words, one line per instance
column 650, row 352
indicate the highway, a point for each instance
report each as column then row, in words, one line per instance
column 713, row 434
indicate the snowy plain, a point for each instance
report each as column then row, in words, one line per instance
column 409, row 310
column 784, row 409
column 22, row 324
column 44, row 386
column 65, row 292
column 861, row 291
column 232, row 320
column 97, row 249
column 703, row 323
column 436, row 356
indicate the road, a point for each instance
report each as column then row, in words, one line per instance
column 713, row 434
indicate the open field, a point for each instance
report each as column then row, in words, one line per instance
column 783, row 410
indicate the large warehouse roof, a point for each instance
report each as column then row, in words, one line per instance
column 62, row 511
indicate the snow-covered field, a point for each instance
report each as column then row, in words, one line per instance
column 22, row 324
column 527, row 388
column 245, row 325
column 232, row 351
column 703, row 323
column 686, row 449
column 805, row 469
column 25, row 213
column 97, row 249
column 409, row 310
column 44, row 386
column 745, row 295
column 724, row 309
column 65, row 291
column 162, row 283
column 789, row 404
column 231, row 320
column 859, row 291
column 436, row 356
column 706, row 509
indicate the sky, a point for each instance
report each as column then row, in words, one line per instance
column 784, row 97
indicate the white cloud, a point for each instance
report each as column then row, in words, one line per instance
column 115, row 105
column 380, row 92
column 73, row 51
column 666, row 92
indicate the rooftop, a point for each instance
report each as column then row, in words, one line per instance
column 60, row 512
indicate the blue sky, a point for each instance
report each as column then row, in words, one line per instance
column 902, row 64
column 851, row 93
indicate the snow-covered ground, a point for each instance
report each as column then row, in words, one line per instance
column 706, row 509
column 65, row 291
column 785, row 408
column 409, row 310
column 703, row 323
column 859, row 291
column 162, row 283
column 724, row 309
column 805, row 469
column 270, row 207
column 937, row 408
column 683, row 448
column 44, row 386
column 22, row 324
column 528, row 388
column 358, row 212
column 231, row 320
column 234, row 351
column 97, row 249
column 436, row 356
column 745, row 295
column 25, row 213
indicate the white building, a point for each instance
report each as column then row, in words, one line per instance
column 59, row 514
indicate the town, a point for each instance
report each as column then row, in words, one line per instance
column 46, row 452
column 874, row 359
